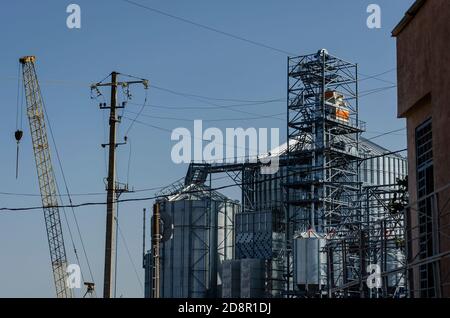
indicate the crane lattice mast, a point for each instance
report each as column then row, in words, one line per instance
column 46, row 177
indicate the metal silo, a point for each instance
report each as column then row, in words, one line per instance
column 310, row 261
column 202, row 238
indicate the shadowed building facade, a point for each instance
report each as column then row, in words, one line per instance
column 423, row 58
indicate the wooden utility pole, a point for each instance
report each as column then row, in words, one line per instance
column 112, row 186
column 111, row 189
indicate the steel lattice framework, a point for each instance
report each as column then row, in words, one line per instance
column 46, row 177
column 383, row 240
column 323, row 149
column 320, row 190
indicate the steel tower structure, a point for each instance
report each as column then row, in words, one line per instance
column 323, row 129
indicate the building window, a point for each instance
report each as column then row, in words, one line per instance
column 425, row 186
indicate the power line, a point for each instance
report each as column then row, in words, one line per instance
column 235, row 100
column 237, row 37
column 19, row 103
column 207, row 101
column 213, row 107
column 58, row 190
column 91, row 193
column 59, row 195
column 206, row 27
column 247, row 102
column 70, row 201
column 230, row 109
column 372, row 132
column 382, row 134
column 171, row 131
column 309, row 169
column 140, row 190
column 377, row 90
column 209, row 120
column 376, row 76
column 137, row 114
column 387, row 133
column 148, row 125
column 202, row 98
column 209, row 28
column 129, row 161
column 129, row 255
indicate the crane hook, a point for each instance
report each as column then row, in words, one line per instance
column 18, row 135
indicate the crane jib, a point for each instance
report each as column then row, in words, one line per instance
column 46, row 177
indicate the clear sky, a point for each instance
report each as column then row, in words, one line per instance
column 173, row 55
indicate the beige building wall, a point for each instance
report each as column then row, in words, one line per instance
column 423, row 57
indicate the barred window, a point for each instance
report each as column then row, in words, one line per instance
column 425, row 186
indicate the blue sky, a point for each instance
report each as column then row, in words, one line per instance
column 172, row 55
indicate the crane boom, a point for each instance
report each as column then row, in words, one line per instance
column 46, row 177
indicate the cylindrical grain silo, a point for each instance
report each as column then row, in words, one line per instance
column 309, row 261
column 203, row 237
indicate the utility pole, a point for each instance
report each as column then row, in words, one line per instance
column 111, row 193
column 112, row 187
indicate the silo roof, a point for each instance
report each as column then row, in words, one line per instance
column 366, row 146
column 198, row 192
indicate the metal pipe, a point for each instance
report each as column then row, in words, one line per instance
column 156, row 239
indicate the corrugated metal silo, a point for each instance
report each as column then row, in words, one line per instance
column 203, row 237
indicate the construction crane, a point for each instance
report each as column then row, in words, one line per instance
column 46, row 177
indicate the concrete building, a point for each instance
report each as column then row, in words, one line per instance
column 423, row 58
